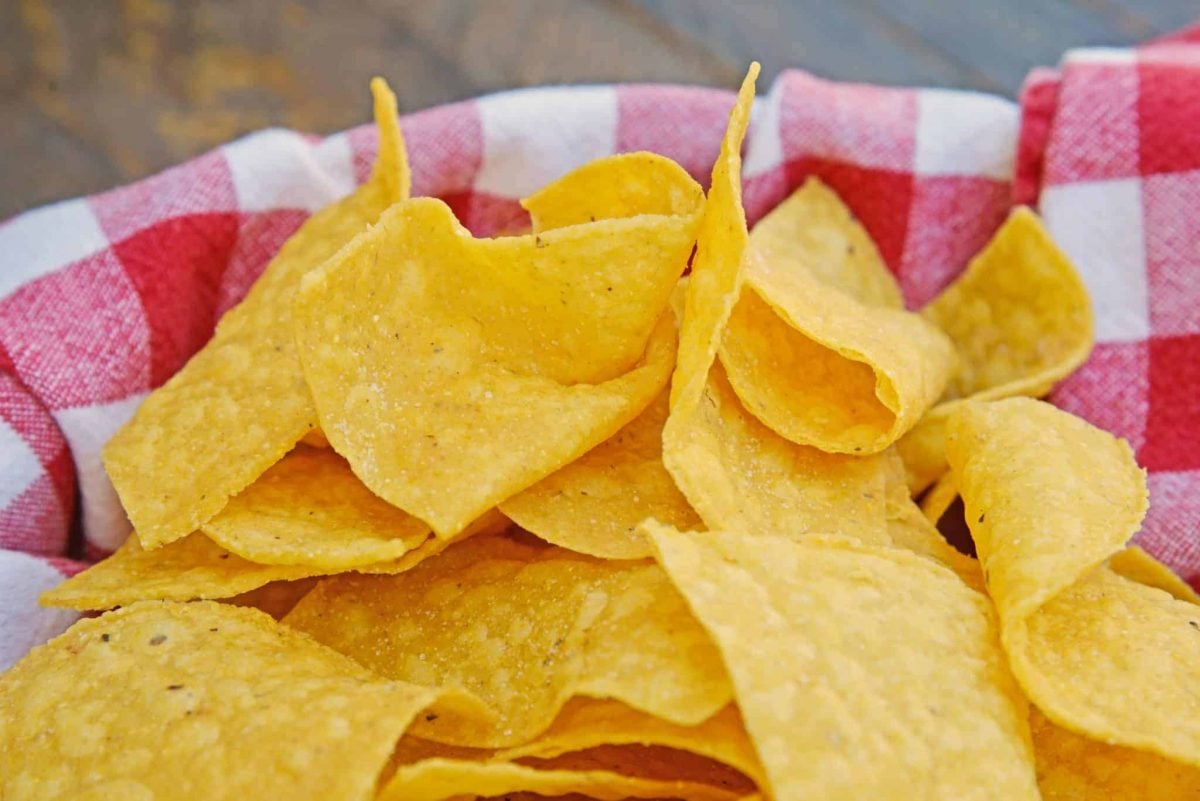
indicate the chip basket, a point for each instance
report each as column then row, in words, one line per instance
column 103, row 298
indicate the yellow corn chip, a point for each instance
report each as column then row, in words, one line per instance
column 1136, row 565
column 652, row 762
column 626, row 760
column 909, row 529
column 1019, row 315
column 861, row 672
column 430, row 379
column 625, row 185
column 1049, row 499
column 815, row 229
column 185, row 701
column 1117, row 660
column 822, row 369
column 716, row 277
column 734, row 471
column 594, row 504
column 1021, row 320
column 819, row 346
column 240, row 404
column 439, row 778
column 277, row 598
column 1071, row 767
column 525, row 629
column 310, row 509
column 939, row 498
column 586, row 723
column 196, row 567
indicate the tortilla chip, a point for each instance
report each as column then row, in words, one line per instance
column 277, row 598
column 1136, row 565
column 594, row 504
column 586, row 723
column 1048, row 497
column 816, row 364
column 310, row 509
column 860, row 671
column 1074, row 768
column 1019, row 315
column 1049, row 500
column 1021, row 320
column 815, row 229
column 734, row 471
column 430, row 379
column 939, row 497
column 620, row 186
column 439, row 778
column 240, row 404
column 909, row 529
column 716, row 277
column 196, row 567
column 525, row 629
column 1117, row 660
column 205, row 701
column 737, row 472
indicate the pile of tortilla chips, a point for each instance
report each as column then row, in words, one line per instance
column 550, row 515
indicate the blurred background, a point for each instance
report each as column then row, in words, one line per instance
column 96, row 94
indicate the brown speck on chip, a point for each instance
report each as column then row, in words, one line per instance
column 174, row 686
column 431, row 717
column 104, row 637
column 158, row 639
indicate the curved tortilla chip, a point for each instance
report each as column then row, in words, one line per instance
column 734, row 471
column 525, row 629
column 594, row 504
column 1136, row 565
column 1071, row 767
column 624, row 185
column 428, row 377
column 196, row 567
column 910, row 529
column 240, row 403
column 821, row 368
column 861, row 672
column 737, row 472
column 1021, row 321
column 586, row 723
column 1049, row 499
column 282, row 717
column 820, row 347
column 815, row 229
column 310, row 509
column 440, row 778
column 938, row 498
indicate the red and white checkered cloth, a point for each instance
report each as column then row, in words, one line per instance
column 103, row 298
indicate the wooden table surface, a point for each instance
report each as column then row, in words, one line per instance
column 94, row 94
